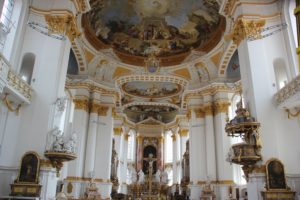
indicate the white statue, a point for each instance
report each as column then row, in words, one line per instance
column 70, row 146
column 157, row 176
column 164, row 177
column 133, row 176
column 141, row 176
column 58, row 144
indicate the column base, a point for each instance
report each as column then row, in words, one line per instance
column 195, row 191
column 7, row 177
column 255, row 185
column 104, row 189
column 48, row 180
column 123, row 188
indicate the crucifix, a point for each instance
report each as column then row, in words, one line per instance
column 150, row 161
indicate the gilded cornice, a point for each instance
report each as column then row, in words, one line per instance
column 217, row 182
column 89, row 85
column 81, row 104
column 221, row 107
column 64, row 24
column 81, row 5
column 85, row 179
column 229, row 5
column 246, row 29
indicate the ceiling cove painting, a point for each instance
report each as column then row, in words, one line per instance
column 148, row 89
column 160, row 27
column 138, row 113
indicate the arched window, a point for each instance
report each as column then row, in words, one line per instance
column 6, row 14
column 27, row 67
column 169, row 147
column 72, row 65
column 281, row 74
column 292, row 6
column 131, row 144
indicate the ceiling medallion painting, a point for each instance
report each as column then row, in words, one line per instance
column 138, row 113
column 160, row 27
column 148, row 89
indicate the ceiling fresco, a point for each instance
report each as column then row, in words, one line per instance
column 138, row 113
column 160, row 27
column 149, row 89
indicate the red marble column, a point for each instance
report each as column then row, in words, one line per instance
column 139, row 153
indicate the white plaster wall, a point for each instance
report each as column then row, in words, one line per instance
column 35, row 119
column 7, row 177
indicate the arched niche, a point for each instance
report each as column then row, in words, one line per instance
column 27, row 67
column 72, row 64
column 281, row 73
column 150, row 149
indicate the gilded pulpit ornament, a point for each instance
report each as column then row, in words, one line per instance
column 63, row 24
column 246, row 29
column 247, row 153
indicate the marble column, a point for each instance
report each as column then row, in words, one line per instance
column 197, row 153
column 175, row 157
column 183, row 132
column 160, row 154
column 76, row 167
column 210, row 139
column 139, row 153
column 297, row 14
column 104, row 151
column 224, row 169
column 91, row 141
column 119, row 141
column 123, row 160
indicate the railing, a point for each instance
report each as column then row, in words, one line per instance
column 288, row 91
column 19, row 84
column 13, row 82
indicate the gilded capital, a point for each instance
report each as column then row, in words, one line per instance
column 246, row 29
column 139, row 139
column 63, row 24
column 221, row 107
column 94, row 107
column 117, row 130
column 126, row 136
column 102, row 111
column 173, row 137
column 81, row 104
column 208, row 109
column 199, row 113
column 183, row 132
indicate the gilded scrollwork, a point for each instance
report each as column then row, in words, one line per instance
column 63, row 24
column 246, row 29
